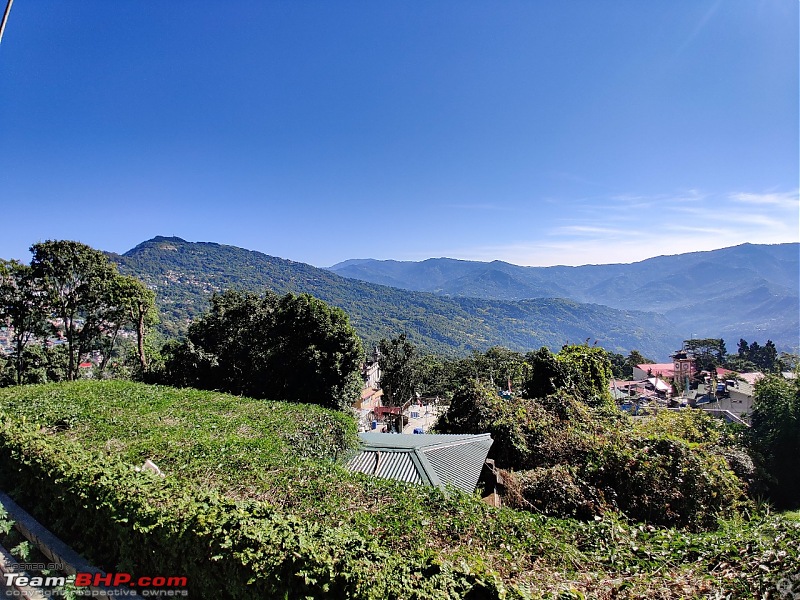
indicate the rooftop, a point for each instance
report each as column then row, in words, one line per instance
column 428, row 459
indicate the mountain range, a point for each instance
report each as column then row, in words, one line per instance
column 452, row 306
column 748, row 290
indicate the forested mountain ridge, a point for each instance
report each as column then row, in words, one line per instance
column 749, row 290
column 184, row 274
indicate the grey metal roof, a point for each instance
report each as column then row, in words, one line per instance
column 428, row 459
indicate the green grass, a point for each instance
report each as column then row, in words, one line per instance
column 206, row 438
column 286, row 456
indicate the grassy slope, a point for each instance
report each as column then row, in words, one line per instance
column 264, row 450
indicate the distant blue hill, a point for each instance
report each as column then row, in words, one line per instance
column 748, row 291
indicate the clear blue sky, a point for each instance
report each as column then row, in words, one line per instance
column 536, row 132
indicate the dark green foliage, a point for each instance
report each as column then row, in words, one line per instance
column 399, row 373
column 582, row 370
column 622, row 366
column 775, row 437
column 709, row 353
column 291, row 348
column 588, row 373
column 76, row 282
column 73, row 291
column 545, row 375
column 634, row 359
column 757, row 357
column 185, row 275
column 436, row 375
column 21, row 310
column 500, row 366
column 477, row 408
column 566, row 458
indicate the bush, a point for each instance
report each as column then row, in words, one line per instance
column 565, row 458
column 124, row 520
column 775, row 437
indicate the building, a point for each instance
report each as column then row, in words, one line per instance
column 371, row 397
column 424, row 459
column 730, row 395
column 647, row 370
column 371, row 371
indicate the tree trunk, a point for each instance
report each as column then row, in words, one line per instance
column 140, row 337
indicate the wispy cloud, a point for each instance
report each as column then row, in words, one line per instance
column 700, row 26
column 787, row 200
column 629, row 228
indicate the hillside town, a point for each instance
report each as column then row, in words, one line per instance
column 675, row 385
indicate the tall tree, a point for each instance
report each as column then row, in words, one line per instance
column 21, row 311
column 581, row 370
column 76, row 283
column 545, row 373
column 775, row 436
column 399, row 376
column 139, row 304
column 588, row 373
column 293, row 348
column 634, row 359
column 709, row 353
column 501, row 367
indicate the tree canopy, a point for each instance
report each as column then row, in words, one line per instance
column 70, row 293
column 399, row 370
column 294, row 348
column 22, row 311
column 775, row 437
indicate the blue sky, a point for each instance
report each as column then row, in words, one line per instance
column 534, row 132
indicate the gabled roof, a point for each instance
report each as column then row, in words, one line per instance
column 429, row 459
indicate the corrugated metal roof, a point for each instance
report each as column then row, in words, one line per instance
column 437, row 460
column 399, row 466
column 460, row 464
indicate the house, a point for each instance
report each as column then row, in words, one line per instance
column 662, row 370
column 729, row 395
column 371, row 371
column 648, row 388
column 437, row 460
column 371, row 397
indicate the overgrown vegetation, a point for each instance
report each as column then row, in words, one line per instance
column 775, row 437
column 241, row 504
column 563, row 457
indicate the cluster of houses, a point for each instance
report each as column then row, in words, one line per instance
column 677, row 384
column 459, row 460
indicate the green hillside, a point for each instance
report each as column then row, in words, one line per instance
column 184, row 274
column 253, row 504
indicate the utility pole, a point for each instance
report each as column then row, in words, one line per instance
column 5, row 18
